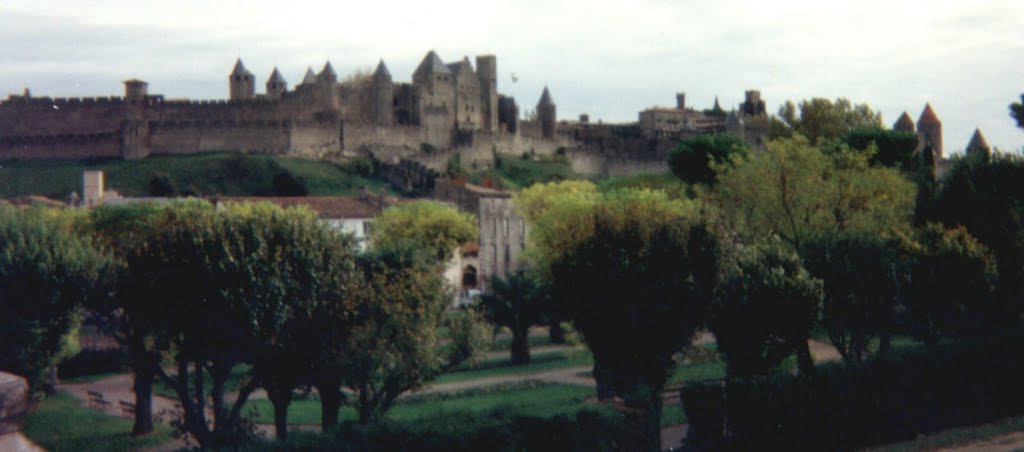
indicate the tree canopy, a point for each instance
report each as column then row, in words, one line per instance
column 438, row 226
column 624, row 279
column 794, row 190
column 820, row 118
column 47, row 271
column 693, row 160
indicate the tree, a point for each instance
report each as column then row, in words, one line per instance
column 1017, row 111
column 822, row 119
column 437, row 226
column 161, row 184
column 987, row 197
column 797, row 192
column 865, row 276
column 636, row 307
column 287, row 184
column 765, row 306
column 47, row 271
column 892, row 148
column 693, row 160
column 394, row 344
column 131, row 318
column 517, row 302
column 953, row 277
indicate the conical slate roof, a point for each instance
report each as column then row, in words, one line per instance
column 904, row 123
column 240, row 68
column 382, row 72
column 275, row 77
column 928, row 116
column 717, row 108
column 431, row 64
column 310, row 77
column 328, row 72
column 545, row 98
column 977, row 143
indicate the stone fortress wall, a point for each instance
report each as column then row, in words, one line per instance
column 446, row 109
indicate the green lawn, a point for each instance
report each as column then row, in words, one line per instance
column 957, row 436
column 570, row 357
column 215, row 173
column 531, row 399
column 233, row 383
column 61, row 423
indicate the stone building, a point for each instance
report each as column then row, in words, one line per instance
column 444, row 105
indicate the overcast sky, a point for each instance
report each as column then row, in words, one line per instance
column 606, row 58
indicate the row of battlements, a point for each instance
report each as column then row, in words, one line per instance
column 58, row 101
column 59, row 138
column 214, row 123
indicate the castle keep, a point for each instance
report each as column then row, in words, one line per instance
column 445, row 105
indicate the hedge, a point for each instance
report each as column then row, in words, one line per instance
column 849, row 406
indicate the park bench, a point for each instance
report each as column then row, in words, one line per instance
column 127, row 408
column 96, row 400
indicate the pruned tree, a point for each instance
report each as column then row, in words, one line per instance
column 693, row 159
column 823, row 119
column 47, row 271
column 764, row 308
column 637, row 307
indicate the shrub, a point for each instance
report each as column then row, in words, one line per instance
column 93, row 362
column 852, row 406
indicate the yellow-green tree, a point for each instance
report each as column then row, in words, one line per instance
column 438, row 226
column 794, row 190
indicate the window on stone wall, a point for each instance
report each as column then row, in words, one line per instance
column 508, row 257
column 505, row 225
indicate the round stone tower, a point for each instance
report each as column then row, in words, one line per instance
column 546, row 115
column 487, row 71
column 276, row 86
column 383, row 95
column 929, row 132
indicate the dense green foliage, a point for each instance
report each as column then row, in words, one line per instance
column 638, row 306
column 822, row 119
column 226, row 174
column 1017, row 111
column 694, row 159
column 437, row 226
column 666, row 182
column 764, row 308
column 848, row 407
column 987, row 197
column 796, row 191
column 47, row 271
column 891, row 148
column 517, row 302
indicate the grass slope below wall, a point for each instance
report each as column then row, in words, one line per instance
column 228, row 174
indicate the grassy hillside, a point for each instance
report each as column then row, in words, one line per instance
column 514, row 173
column 205, row 174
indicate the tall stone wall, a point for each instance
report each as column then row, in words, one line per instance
column 61, row 147
column 64, row 116
column 201, row 136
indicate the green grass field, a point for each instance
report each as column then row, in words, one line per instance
column 61, row 423
column 514, row 173
column 531, row 399
column 229, row 174
column 541, row 362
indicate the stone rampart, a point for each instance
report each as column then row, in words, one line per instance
column 61, row 147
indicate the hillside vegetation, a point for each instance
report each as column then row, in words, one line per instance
column 228, row 174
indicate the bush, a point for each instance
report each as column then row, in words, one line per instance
column 286, row 184
column 847, row 407
column 360, row 166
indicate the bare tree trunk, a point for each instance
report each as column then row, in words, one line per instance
column 143, row 388
column 330, row 403
column 280, row 397
column 520, row 346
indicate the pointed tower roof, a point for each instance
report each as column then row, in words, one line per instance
column 310, row 77
column 431, row 64
column 240, row 68
column 545, row 98
column 977, row 143
column 328, row 71
column 275, row 77
column 928, row 116
column 904, row 123
column 382, row 72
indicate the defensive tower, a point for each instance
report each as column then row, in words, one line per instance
column 242, row 83
column 546, row 114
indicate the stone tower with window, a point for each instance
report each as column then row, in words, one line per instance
column 241, row 82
